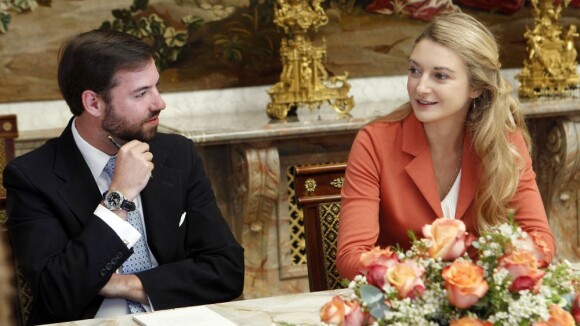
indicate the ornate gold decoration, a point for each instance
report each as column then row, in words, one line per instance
column 304, row 81
column 329, row 214
column 297, row 236
column 337, row 183
column 310, row 185
column 550, row 68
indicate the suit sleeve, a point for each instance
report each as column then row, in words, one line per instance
column 213, row 267
column 527, row 202
column 65, row 263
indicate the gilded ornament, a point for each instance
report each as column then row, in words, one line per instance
column 550, row 67
column 310, row 184
column 304, row 80
column 337, row 183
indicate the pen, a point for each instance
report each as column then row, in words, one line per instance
column 114, row 141
column 119, row 146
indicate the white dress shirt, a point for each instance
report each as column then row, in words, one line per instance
column 96, row 160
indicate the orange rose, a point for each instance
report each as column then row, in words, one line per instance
column 523, row 268
column 341, row 312
column 535, row 244
column 558, row 317
column 469, row 321
column 406, row 278
column 333, row 312
column 374, row 264
column 464, row 283
column 448, row 238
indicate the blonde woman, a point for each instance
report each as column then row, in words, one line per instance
column 458, row 149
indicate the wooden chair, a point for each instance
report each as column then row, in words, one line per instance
column 21, row 302
column 7, row 281
column 8, row 132
column 317, row 190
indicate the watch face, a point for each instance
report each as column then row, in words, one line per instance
column 114, row 200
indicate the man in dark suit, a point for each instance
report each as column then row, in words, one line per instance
column 107, row 226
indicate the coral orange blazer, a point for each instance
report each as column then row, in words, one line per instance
column 390, row 188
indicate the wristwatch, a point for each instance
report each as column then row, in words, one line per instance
column 115, row 200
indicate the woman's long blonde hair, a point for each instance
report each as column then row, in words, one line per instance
column 492, row 117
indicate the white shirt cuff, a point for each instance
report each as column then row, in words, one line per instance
column 124, row 230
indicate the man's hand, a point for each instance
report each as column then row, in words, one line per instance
column 132, row 169
column 125, row 287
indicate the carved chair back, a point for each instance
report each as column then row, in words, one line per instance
column 317, row 190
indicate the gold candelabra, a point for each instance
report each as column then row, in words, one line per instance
column 304, row 80
column 550, row 67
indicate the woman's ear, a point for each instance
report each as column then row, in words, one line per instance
column 475, row 93
column 93, row 103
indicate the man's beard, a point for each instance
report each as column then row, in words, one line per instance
column 118, row 126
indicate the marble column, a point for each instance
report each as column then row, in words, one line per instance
column 257, row 179
column 559, row 182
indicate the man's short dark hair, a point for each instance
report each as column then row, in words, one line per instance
column 89, row 61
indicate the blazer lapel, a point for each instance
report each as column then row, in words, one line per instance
column 420, row 169
column 470, row 175
column 78, row 181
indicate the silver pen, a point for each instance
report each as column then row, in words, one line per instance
column 114, row 141
column 119, row 147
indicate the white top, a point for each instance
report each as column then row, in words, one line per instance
column 449, row 203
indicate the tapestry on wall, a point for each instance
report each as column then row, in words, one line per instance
column 209, row 44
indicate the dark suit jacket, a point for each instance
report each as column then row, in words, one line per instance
column 68, row 254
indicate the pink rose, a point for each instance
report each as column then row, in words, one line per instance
column 558, row 317
column 406, row 278
column 375, row 263
column 448, row 238
column 341, row 312
column 523, row 269
column 464, row 283
column 469, row 321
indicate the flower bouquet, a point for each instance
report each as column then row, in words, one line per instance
column 437, row 282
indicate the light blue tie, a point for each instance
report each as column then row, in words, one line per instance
column 139, row 260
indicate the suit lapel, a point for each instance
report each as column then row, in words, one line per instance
column 71, row 167
column 162, row 206
column 420, row 169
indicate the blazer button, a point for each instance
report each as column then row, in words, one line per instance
column 103, row 272
column 108, row 266
column 119, row 255
column 114, row 261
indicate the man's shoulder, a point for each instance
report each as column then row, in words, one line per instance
column 45, row 152
column 169, row 141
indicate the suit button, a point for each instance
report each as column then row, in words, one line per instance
column 103, row 272
column 119, row 255
column 108, row 266
column 114, row 261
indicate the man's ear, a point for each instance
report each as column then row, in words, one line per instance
column 93, row 103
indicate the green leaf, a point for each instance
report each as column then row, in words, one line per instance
column 371, row 294
column 4, row 22
column 375, row 300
